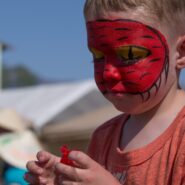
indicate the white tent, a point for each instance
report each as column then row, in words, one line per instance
column 40, row 104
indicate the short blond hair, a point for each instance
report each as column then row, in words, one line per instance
column 171, row 12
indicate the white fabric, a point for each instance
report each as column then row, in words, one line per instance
column 41, row 103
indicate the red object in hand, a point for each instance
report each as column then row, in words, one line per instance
column 65, row 152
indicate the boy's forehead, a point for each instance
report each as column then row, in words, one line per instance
column 114, row 25
column 110, row 21
column 105, row 32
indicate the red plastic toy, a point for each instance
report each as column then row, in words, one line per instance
column 65, row 152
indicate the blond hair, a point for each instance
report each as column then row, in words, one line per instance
column 171, row 12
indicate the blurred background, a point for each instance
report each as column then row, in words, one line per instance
column 47, row 94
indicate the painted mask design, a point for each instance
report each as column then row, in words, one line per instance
column 129, row 57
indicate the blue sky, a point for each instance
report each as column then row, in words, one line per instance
column 47, row 36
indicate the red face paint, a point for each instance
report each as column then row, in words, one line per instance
column 129, row 57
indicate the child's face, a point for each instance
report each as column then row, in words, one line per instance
column 131, row 62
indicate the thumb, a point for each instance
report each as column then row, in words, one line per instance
column 82, row 159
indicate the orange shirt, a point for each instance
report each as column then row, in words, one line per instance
column 162, row 162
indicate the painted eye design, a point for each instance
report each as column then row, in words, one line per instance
column 132, row 54
column 97, row 54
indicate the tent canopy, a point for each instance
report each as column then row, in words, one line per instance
column 43, row 103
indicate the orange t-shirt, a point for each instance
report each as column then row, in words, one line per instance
column 162, row 162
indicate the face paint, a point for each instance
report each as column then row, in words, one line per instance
column 129, row 57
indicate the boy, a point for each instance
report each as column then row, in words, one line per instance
column 138, row 48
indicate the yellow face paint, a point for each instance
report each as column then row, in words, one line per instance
column 96, row 54
column 132, row 52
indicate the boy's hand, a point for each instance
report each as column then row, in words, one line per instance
column 41, row 172
column 88, row 173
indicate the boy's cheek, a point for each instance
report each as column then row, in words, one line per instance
column 98, row 76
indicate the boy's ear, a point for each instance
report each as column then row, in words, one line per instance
column 181, row 53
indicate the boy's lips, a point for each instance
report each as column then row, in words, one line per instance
column 115, row 94
column 113, row 91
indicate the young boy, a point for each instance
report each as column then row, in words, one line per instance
column 138, row 48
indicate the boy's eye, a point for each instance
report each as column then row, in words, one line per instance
column 97, row 54
column 130, row 53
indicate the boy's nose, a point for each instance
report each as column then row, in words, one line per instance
column 111, row 73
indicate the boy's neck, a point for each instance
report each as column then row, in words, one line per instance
column 173, row 102
column 146, row 127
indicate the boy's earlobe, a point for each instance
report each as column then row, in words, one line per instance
column 181, row 53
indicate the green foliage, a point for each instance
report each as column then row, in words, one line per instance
column 18, row 76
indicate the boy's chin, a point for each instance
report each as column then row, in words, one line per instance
column 129, row 109
column 126, row 103
column 131, row 104
column 133, row 109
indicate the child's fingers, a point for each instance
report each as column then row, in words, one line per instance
column 68, row 172
column 33, row 179
column 59, row 179
column 30, row 178
column 46, row 159
column 43, row 156
column 81, row 158
column 34, row 168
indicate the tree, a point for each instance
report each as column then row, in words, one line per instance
column 18, row 76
